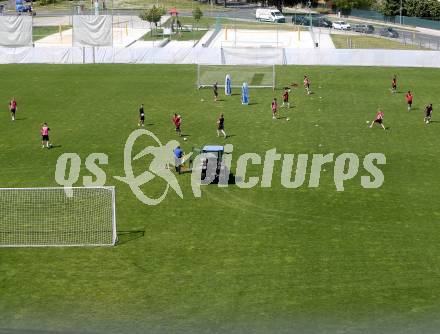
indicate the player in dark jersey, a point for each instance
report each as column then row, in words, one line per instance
column 394, row 84
column 409, row 99
column 141, row 116
column 428, row 113
column 286, row 97
column 378, row 119
column 221, row 126
column 215, row 91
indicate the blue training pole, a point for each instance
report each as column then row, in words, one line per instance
column 245, row 93
column 228, row 85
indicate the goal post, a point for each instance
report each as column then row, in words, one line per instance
column 257, row 76
column 57, row 217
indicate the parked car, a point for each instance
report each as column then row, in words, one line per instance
column 317, row 21
column 363, row 28
column 325, row 23
column 306, row 21
column 389, row 32
column 23, row 8
column 341, row 25
column 269, row 14
column 298, row 19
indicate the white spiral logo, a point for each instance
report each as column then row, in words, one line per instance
column 159, row 166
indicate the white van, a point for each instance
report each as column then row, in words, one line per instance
column 270, row 14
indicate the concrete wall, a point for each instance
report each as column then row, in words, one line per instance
column 188, row 55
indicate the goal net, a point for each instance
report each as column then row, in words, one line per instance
column 45, row 217
column 257, row 76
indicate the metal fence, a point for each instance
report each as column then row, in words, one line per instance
column 405, row 38
column 433, row 23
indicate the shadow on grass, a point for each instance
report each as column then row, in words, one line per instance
column 127, row 236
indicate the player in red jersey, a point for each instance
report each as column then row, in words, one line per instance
column 177, row 120
column 274, row 107
column 378, row 119
column 286, row 97
column 13, row 108
column 307, row 84
column 428, row 113
column 409, row 99
column 45, row 135
column 394, row 84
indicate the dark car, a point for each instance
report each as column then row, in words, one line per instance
column 317, row 21
column 325, row 23
column 298, row 18
column 305, row 21
column 363, row 28
column 389, row 32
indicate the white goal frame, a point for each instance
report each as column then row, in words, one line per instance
column 66, row 190
column 236, row 84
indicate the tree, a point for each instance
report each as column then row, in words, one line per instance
column 429, row 8
column 435, row 10
column 152, row 15
column 197, row 15
column 347, row 5
column 390, row 7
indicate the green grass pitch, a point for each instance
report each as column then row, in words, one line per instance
column 261, row 260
